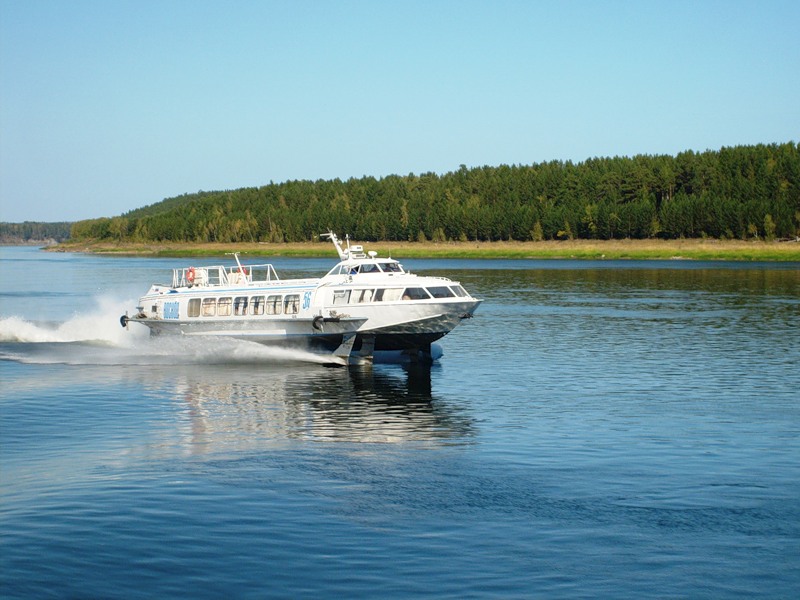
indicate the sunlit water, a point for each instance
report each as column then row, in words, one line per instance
column 600, row 429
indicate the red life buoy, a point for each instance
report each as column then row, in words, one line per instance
column 190, row 275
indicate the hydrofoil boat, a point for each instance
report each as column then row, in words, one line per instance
column 364, row 307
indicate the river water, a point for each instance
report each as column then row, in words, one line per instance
column 599, row 429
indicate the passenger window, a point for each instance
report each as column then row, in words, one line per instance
column 273, row 305
column 392, row 294
column 291, row 304
column 341, row 296
column 362, row 296
column 257, row 305
column 441, row 292
column 459, row 291
column 209, row 307
column 415, row 294
column 224, row 307
column 392, row 267
column 194, row 307
column 240, row 305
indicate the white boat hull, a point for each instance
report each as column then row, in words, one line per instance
column 427, row 325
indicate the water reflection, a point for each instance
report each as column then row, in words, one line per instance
column 243, row 409
column 781, row 280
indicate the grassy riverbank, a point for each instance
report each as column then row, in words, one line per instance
column 707, row 249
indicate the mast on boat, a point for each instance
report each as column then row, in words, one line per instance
column 343, row 253
column 239, row 264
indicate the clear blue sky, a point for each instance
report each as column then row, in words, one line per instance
column 106, row 106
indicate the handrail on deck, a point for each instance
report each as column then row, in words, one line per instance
column 218, row 275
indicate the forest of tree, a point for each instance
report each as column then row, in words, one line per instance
column 743, row 192
column 30, row 231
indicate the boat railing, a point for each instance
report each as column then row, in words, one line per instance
column 218, row 275
column 246, row 274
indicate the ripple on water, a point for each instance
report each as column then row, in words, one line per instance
column 611, row 432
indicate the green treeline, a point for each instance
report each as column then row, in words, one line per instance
column 31, row 231
column 740, row 192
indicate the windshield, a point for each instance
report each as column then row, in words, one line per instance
column 391, row 267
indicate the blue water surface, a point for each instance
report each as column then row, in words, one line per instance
column 599, row 429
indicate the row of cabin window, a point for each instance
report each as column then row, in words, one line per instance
column 243, row 305
column 394, row 294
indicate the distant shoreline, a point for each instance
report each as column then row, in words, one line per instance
column 686, row 249
column 15, row 242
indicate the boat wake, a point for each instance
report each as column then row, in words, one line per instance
column 99, row 326
column 96, row 338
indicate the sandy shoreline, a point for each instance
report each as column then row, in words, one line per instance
column 694, row 249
